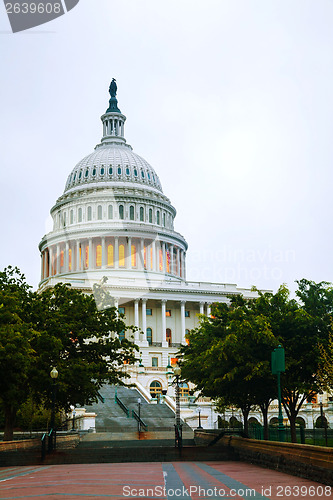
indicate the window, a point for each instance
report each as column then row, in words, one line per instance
column 121, row 310
column 89, row 216
column 94, row 172
column 80, row 175
column 168, row 336
column 187, row 340
column 131, row 212
column 80, row 215
column 119, row 170
column 135, row 172
column 102, row 171
column 148, row 175
column 99, row 212
column 187, row 314
column 71, row 217
column 121, row 256
column 142, row 214
column 161, row 260
column 133, row 255
column 155, row 388
column 87, row 257
column 150, row 215
column 183, row 389
column 164, row 220
column 110, row 170
column 99, row 256
column 62, row 258
column 70, row 259
column 167, row 261
column 142, row 174
column 110, row 255
column 168, row 312
column 151, row 257
column 149, row 312
column 158, row 217
column 145, row 257
column 121, row 335
column 127, row 171
column 121, row 211
column 86, row 173
column 149, row 336
column 110, row 212
column 64, row 216
column 154, row 361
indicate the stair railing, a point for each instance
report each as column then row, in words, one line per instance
column 122, row 405
column 139, row 420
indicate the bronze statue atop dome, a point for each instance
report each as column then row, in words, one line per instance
column 113, row 88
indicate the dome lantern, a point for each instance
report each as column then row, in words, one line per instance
column 113, row 120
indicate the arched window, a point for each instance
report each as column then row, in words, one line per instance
column 71, row 217
column 64, row 218
column 62, row 258
column 168, row 336
column 110, row 255
column 155, row 388
column 99, row 212
column 158, row 217
column 150, row 215
column 131, row 212
column 110, row 212
column 183, row 389
column 149, row 336
column 70, row 259
column 121, row 256
column 99, row 256
column 89, row 213
column 121, row 212
column 102, row 171
column 133, row 255
column 142, row 214
column 80, row 215
column 119, row 170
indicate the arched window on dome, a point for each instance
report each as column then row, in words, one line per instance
column 110, row 255
column 135, row 172
column 110, row 170
column 89, row 213
column 160, row 260
column 102, row 170
column 99, row 256
column 110, row 212
column 70, row 259
column 121, row 212
column 133, row 255
column 142, row 214
column 142, row 174
column 131, row 212
column 87, row 257
column 168, row 336
column 149, row 335
column 86, row 173
column 158, row 217
column 79, row 217
column 119, row 170
column 71, row 217
column 121, row 256
column 127, row 171
column 99, row 212
column 150, row 216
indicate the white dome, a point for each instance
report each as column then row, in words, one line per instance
column 112, row 164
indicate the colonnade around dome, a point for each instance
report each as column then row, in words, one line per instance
column 114, row 252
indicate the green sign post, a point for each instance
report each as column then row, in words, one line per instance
column 278, row 367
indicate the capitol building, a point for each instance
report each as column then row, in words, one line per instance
column 114, row 225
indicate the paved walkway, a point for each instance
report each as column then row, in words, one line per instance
column 165, row 481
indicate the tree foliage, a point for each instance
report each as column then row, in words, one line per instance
column 60, row 327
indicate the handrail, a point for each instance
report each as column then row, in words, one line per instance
column 122, row 405
column 139, row 420
column 43, row 451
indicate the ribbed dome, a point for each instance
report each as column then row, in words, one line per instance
column 113, row 163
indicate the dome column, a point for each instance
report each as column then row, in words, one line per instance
column 208, row 308
column 164, row 257
column 142, row 254
column 58, row 260
column 66, row 260
column 116, row 252
column 103, row 244
column 171, row 260
column 182, row 317
column 178, row 261
column 129, row 253
column 90, row 254
column 202, row 305
column 77, row 267
column 136, row 319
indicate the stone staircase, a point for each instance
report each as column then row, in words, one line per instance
column 111, row 418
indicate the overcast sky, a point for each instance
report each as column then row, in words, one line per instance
column 230, row 101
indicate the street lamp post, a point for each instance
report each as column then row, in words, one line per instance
column 278, row 366
column 178, row 425
column 323, row 421
column 74, row 413
column 52, row 437
column 139, row 413
column 199, row 410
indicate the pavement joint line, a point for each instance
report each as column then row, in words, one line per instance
column 68, row 495
column 228, row 481
column 26, row 473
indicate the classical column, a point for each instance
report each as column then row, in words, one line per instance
column 58, row 259
column 154, row 255
column 90, row 260
column 178, row 261
column 163, row 319
column 78, row 263
column 66, row 262
column 202, row 304
column 144, row 316
column 136, row 319
column 116, row 303
column 104, row 258
column 164, row 256
column 182, row 316
column 208, row 308
column 129, row 254
column 116, row 252
column 50, row 260
column 142, row 254
column 42, row 265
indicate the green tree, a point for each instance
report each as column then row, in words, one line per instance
column 60, row 327
column 325, row 369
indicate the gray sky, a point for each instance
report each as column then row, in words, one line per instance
column 230, row 101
